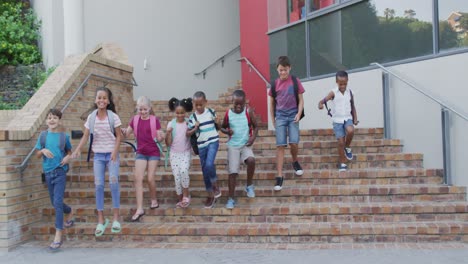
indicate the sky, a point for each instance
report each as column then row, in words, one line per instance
column 423, row 8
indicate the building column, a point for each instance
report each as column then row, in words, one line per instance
column 73, row 21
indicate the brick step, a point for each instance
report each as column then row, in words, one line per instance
column 256, row 246
column 310, row 135
column 363, row 193
column 85, row 179
column 266, row 145
column 197, row 182
column 305, row 148
column 292, row 213
column 360, row 161
column 267, row 232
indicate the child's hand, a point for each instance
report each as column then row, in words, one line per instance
column 47, row 153
column 124, row 131
column 160, row 135
column 75, row 154
column 250, row 142
column 230, row 132
column 169, row 130
column 65, row 160
column 356, row 122
column 197, row 124
column 297, row 118
column 114, row 156
column 320, row 105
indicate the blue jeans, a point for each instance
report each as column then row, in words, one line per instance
column 207, row 160
column 101, row 161
column 56, row 181
column 340, row 128
column 285, row 126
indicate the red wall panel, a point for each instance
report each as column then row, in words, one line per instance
column 255, row 47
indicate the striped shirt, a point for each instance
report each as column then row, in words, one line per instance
column 207, row 129
column 103, row 139
column 239, row 124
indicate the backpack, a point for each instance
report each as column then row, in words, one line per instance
column 351, row 101
column 249, row 122
column 152, row 118
column 194, row 136
column 62, row 146
column 296, row 93
column 92, row 121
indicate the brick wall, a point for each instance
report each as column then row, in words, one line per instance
column 22, row 195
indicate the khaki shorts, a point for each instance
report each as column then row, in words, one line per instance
column 236, row 155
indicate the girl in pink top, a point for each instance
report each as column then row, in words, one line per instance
column 103, row 129
column 147, row 130
column 180, row 148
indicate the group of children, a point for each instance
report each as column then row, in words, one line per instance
column 103, row 129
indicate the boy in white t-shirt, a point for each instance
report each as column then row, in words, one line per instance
column 343, row 115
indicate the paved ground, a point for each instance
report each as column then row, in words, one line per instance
column 341, row 254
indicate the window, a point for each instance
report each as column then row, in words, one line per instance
column 315, row 5
column 370, row 31
column 289, row 42
column 453, row 24
column 283, row 12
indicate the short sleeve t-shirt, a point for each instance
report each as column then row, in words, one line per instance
column 207, row 128
column 103, row 138
column 180, row 142
column 145, row 143
column 52, row 143
column 285, row 97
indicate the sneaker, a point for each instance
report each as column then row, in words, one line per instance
column 297, row 168
column 250, row 191
column 279, row 184
column 210, row 202
column 217, row 192
column 230, row 203
column 348, row 153
column 342, row 167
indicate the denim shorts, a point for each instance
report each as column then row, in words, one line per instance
column 285, row 126
column 146, row 157
column 340, row 128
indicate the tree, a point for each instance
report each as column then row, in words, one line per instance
column 389, row 13
column 409, row 13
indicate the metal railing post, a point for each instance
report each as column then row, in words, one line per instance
column 386, row 104
column 446, row 145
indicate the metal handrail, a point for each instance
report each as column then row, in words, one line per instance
column 444, row 105
column 23, row 165
column 249, row 63
column 220, row 59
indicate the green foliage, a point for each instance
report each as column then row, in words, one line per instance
column 19, row 34
column 44, row 75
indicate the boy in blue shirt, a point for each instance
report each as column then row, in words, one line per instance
column 55, row 149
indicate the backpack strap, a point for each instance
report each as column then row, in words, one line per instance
column 152, row 119
column 226, row 117
column 110, row 117
column 273, row 94
column 173, row 125
column 91, row 122
column 62, row 141
column 42, row 138
column 135, row 121
column 173, row 133
column 249, row 121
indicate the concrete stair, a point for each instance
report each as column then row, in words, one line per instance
column 386, row 197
